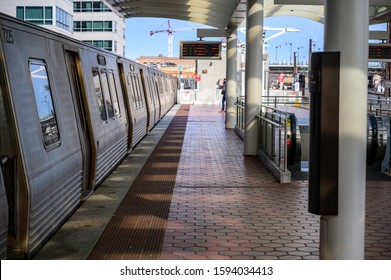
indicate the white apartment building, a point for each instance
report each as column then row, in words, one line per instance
column 90, row 21
column 99, row 25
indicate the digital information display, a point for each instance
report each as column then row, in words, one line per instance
column 379, row 52
column 200, row 50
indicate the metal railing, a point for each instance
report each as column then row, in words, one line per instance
column 240, row 116
column 379, row 106
column 384, row 112
column 273, row 136
column 275, row 100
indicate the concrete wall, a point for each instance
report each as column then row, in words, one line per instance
column 216, row 70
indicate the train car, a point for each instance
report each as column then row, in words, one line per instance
column 67, row 119
column 41, row 142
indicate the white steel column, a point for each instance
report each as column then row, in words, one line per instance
column 230, row 119
column 346, row 31
column 254, row 69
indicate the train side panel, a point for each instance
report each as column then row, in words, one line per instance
column 107, row 111
column 48, row 156
column 3, row 219
column 137, row 103
column 150, row 96
column 154, row 93
column 157, row 83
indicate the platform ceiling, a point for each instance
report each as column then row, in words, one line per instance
column 232, row 13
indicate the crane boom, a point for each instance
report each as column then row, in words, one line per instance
column 170, row 32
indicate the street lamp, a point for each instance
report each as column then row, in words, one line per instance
column 290, row 58
column 276, row 51
column 298, row 54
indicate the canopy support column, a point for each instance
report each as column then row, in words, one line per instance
column 346, row 31
column 230, row 119
column 254, row 69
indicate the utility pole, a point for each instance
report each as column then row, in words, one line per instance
column 294, row 64
column 298, row 54
column 279, row 46
column 290, row 57
column 309, row 53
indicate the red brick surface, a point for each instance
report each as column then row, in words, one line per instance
column 228, row 206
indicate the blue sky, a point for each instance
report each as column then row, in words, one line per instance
column 140, row 43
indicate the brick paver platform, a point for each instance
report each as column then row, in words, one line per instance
column 228, row 206
column 195, row 196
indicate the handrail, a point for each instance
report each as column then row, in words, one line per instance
column 374, row 104
column 274, row 121
column 272, row 146
column 240, row 115
column 286, row 100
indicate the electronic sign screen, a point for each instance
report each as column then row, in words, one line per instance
column 379, row 52
column 200, row 50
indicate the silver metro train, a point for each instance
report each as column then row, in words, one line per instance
column 69, row 113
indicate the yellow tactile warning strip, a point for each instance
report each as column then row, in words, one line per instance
column 136, row 230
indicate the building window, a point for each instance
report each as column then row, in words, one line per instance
column 107, row 45
column 89, row 6
column 37, row 15
column 44, row 103
column 63, row 19
column 20, row 13
column 92, row 26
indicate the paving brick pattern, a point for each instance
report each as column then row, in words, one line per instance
column 228, row 206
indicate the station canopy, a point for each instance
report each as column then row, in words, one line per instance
column 232, row 13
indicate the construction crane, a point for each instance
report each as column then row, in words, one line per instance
column 170, row 32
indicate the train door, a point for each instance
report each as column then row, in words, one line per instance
column 127, row 101
column 80, row 109
column 147, row 100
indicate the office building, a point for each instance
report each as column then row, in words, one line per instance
column 91, row 21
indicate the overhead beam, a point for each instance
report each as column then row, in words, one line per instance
column 378, row 35
column 175, row 11
column 207, row 32
column 321, row 2
column 174, row 6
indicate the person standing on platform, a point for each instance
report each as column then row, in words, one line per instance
column 223, row 93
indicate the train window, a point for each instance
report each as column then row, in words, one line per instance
column 142, row 77
column 106, row 93
column 44, row 102
column 161, row 87
column 139, row 99
column 99, row 94
column 113, row 93
column 130, row 89
column 139, row 90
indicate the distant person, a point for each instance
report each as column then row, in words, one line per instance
column 281, row 80
column 223, row 93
